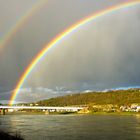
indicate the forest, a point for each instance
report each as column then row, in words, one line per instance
column 114, row 97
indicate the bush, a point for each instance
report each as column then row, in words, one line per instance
column 7, row 136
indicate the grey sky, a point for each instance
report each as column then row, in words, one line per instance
column 103, row 54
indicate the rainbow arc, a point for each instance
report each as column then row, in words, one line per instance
column 62, row 36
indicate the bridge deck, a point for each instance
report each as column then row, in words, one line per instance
column 41, row 107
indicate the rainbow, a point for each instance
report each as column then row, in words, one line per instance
column 62, row 36
column 21, row 21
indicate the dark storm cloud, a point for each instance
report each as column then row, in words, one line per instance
column 40, row 28
column 103, row 54
column 10, row 11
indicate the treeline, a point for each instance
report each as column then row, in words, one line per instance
column 120, row 97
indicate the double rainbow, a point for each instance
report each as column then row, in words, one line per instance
column 21, row 21
column 62, row 36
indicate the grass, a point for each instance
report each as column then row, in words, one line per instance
column 115, row 113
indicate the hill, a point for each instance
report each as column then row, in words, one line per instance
column 118, row 97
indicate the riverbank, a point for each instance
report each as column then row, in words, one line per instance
column 75, row 113
column 7, row 136
column 115, row 113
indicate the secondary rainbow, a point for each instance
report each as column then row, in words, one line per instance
column 61, row 36
column 21, row 21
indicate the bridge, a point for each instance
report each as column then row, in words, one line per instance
column 46, row 108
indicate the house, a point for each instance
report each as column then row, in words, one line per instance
column 138, row 109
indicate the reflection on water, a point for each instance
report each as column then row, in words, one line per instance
column 73, row 127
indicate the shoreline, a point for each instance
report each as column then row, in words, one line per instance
column 7, row 136
column 74, row 113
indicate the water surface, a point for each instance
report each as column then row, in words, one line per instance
column 73, row 127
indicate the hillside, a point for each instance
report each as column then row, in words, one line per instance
column 119, row 97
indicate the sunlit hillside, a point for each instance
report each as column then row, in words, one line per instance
column 119, row 97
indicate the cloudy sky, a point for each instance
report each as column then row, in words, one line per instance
column 103, row 54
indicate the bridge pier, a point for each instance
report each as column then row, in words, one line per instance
column 47, row 112
column 2, row 111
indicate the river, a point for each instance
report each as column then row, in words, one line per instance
column 73, row 127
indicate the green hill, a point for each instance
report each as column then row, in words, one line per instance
column 119, row 97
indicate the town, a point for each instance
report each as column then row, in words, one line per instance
column 109, row 108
